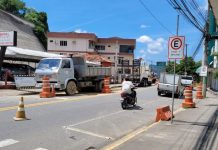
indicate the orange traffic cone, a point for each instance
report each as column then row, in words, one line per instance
column 106, row 88
column 20, row 114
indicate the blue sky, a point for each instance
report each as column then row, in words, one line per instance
column 125, row 19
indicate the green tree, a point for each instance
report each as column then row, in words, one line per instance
column 39, row 19
column 41, row 24
column 16, row 7
column 191, row 66
column 170, row 67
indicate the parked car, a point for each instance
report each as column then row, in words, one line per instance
column 15, row 69
column 165, row 85
column 186, row 80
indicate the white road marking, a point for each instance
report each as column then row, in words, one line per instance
column 97, row 118
column 101, row 117
column 7, row 142
column 89, row 133
column 40, row 148
column 127, row 137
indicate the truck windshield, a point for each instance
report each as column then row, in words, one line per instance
column 49, row 64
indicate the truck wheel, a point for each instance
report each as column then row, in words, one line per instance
column 99, row 86
column 144, row 82
column 71, row 88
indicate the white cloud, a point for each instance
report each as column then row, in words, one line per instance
column 153, row 46
column 80, row 31
column 143, row 26
column 204, row 7
column 144, row 39
column 142, row 51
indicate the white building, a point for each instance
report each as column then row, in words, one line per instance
column 114, row 48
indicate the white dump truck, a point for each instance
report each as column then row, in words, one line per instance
column 71, row 74
column 145, row 77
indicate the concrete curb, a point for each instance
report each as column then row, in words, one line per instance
column 203, row 135
column 212, row 92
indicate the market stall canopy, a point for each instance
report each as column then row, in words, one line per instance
column 198, row 70
column 15, row 53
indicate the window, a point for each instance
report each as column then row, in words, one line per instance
column 100, row 47
column 127, row 71
column 91, row 44
column 65, row 64
column 126, row 49
column 125, row 62
column 120, row 70
column 120, row 59
column 63, row 43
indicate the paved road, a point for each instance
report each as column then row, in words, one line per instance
column 78, row 122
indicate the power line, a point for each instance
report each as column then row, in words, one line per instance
column 198, row 47
column 194, row 15
column 186, row 8
column 146, row 8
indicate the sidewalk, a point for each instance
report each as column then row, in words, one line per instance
column 188, row 131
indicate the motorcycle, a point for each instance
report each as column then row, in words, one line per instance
column 128, row 99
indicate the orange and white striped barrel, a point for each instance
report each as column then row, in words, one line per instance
column 188, row 101
column 106, row 88
column 45, row 84
column 46, row 88
column 199, row 91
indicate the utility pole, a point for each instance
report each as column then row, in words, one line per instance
column 205, row 54
column 174, row 71
column 186, row 55
column 116, row 61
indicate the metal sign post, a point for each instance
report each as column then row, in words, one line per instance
column 175, row 51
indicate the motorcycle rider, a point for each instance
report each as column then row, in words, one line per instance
column 127, row 87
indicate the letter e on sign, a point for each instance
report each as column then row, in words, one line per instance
column 176, row 47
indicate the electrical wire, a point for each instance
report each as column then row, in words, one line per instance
column 194, row 15
column 191, row 11
column 198, row 47
column 146, row 8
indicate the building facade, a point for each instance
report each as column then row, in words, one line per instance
column 115, row 49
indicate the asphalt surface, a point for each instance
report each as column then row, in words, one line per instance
column 191, row 129
column 194, row 128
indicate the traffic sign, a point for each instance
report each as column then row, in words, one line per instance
column 8, row 38
column 203, row 72
column 176, row 47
